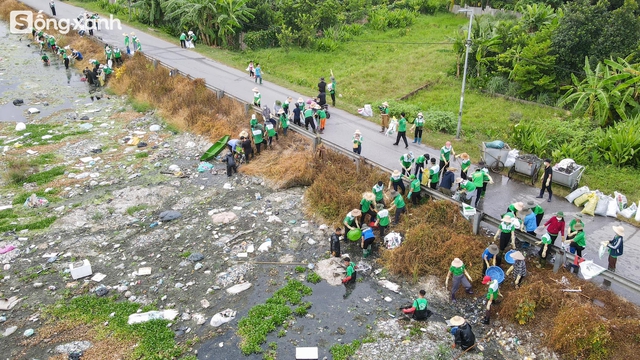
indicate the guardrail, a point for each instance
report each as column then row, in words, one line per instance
column 480, row 217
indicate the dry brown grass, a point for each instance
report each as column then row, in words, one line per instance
column 7, row 6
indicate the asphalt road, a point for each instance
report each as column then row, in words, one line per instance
column 376, row 146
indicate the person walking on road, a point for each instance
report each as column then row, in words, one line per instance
column 384, row 116
column 615, row 246
column 402, row 131
column 357, row 142
column 251, row 69
column 506, row 233
column 546, row 180
column 399, row 205
column 418, row 125
column 52, row 5
column 332, row 90
column 465, row 164
column 421, row 164
column 460, row 276
column 406, row 161
column 257, row 97
column 396, row 181
column 446, row 152
column 258, row 73
column 434, row 174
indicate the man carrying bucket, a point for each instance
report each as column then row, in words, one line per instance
column 351, row 221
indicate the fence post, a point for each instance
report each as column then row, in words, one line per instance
column 220, row 94
column 358, row 160
column 560, row 259
column 477, row 219
column 247, row 108
column 155, row 63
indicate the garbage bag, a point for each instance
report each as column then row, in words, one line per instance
column 637, row 218
column 511, row 158
column 621, row 200
column 496, row 144
column 612, row 208
column 204, row 166
column 630, row 211
column 577, row 192
column 590, row 207
column 603, row 205
column 588, row 269
column 580, row 200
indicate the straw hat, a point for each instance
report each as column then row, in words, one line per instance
column 300, row 99
column 281, row 111
column 395, row 173
column 368, row 196
column 133, row 34
column 517, row 255
column 420, row 114
column 493, row 249
column 356, row 212
column 457, row 321
column 385, row 104
column 578, row 226
column 457, row 262
column 243, row 133
column 464, row 156
column 125, row 34
column 289, row 99
column 316, row 106
column 357, row 132
column 618, row 230
column 507, row 219
column 255, row 89
column 486, row 279
column 518, row 205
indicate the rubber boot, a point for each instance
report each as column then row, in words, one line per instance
column 419, row 140
column 487, row 317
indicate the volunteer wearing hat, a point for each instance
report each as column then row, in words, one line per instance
column 459, row 272
column 402, row 131
column 351, row 221
column 446, row 152
column 308, row 119
column 506, row 232
column 577, row 241
column 462, row 333
column 616, row 246
column 546, row 180
column 254, row 121
column 396, row 181
column 357, row 142
column 519, row 268
column 368, row 207
column 544, row 243
column 126, row 43
column 384, row 116
column 466, row 189
column 489, row 254
column 414, row 190
column 465, row 164
column 192, row 38
column 555, row 226
column 398, row 204
column 530, row 223
column 480, row 178
column 378, row 191
column 492, row 295
column 515, row 207
column 577, row 219
column 257, row 97
column 421, row 164
column 284, row 121
column 538, row 210
column 366, row 241
column 418, row 124
column 406, row 161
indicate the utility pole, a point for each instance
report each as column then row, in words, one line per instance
column 466, row 64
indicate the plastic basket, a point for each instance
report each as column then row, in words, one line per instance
column 354, row 234
column 495, row 273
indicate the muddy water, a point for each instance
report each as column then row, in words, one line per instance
column 23, row 76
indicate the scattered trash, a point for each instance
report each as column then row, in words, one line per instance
column 265, row 246
column 138, row 318
column 199, row 318
column 86, row 126
column 18, row 102
column 9, row 331
column 34, row 201
column 227, row 186
column 236, row 289
column 98, row 277
column 101, row 290
column 169, row 215
column 222, row 317
column 388, row 299
column 273, row 218
column 28, row 333
column 392, row 240
column 306, row 353
column 153, row 224
column 8, row 304
column 154, row 127
column 195, row 257
column 389, row 285
column 223, row 217
column 588, row 269
column 6, row 207
column 133, row 141
column 33, row 111
column 80, row 269
column 174, row 168
column 144, row 271
column 204, row 166
column 6, row 249
column 204, row 303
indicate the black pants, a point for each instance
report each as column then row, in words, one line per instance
column 405, row 172
column 399, row 184
column 358, row 149
column 372, row 216
column 433, row 185
column 463, row 174
column 418, row 133
column 258, row 148
column 91, row 31
column 443, row 166
column 399, row 212
column 333, row 98
column 416, row 198
column 66, row 63
column 383, row 230
column 309, row 121
column 53, row 10
column 577, row 247
column 296, row 121
column 248, row 152
column 505, row 239
column 271, row 139
column 539, row 218
column 119, row 60
column 402, row 135
column 545, row 187
column 183, row 44
column 232, row 169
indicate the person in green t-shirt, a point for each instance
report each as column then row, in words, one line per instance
column 45, row 59
column 466, row 189
column 465, row 164
column 308, row 119
column 434, row 174
column 378, row 191
column 506, row 233
column 418, row 125
column 271, row 132
column 368, row 207
column 126, row 43
column 192, row 39
column 384, row 116
column 117, row 55
column 577, row 219
column 351, row 271
column 406, row 161
column 421, row 163
column 459, row 271
column 332, row 89
column 544, row 243
column 445, row 155
column 418, row 310
column 414, row 191
column 258, row 133
column 396, row 181
column 256, row 97
column 350, row 221
column 253, row 122
column 356, row 140
column 578, row 241
column 402, row 131
column 322, row 117
column 492, row 295
column 183, row 40
column 399, row 205
column 382, row 221
column 284, row 121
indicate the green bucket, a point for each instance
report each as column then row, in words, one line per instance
column 354, row 234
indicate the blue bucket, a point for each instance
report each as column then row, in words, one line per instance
column 495, row 273
column 508, row 258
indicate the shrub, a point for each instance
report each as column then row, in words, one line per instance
column 441, row 121
column 261, row 39
column 575, row 333
column 325, row 45
column 497, row 85
column 17, row 171
column 620, row 144
column 525, row 313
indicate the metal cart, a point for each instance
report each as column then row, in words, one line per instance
column 495, row 158
column 569, row 180
column 528, row 165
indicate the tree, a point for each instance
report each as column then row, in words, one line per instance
column 231, row 15
column 201, row 14
column 536, row 16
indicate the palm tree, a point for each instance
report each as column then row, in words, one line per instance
column 536, row 16
column 199, row 14
column 231, row 16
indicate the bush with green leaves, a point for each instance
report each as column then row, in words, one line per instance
column 620, row 144
column 261, row 39
column 441, row 121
